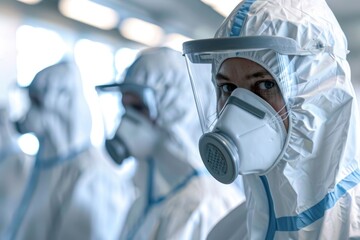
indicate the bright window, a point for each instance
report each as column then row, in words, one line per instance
column 124, row 57
column 37, row 48
column 96, row 64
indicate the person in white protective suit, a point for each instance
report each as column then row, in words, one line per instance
column 177, row 198
column 14, row 171
column 286, row 120
column 72, row 192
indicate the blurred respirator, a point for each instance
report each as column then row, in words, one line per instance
column 129, row 128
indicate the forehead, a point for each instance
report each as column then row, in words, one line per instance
column 240, row 67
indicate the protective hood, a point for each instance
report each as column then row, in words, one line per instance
column 317, row 174
column 175, row 162
column 164, row 71
column 59, row 115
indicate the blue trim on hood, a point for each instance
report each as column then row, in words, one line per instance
column 295, row 223
column 240, row 17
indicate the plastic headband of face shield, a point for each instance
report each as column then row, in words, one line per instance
column 198, row 50
column 112, row 107
column 146, row 94
column 204, row 57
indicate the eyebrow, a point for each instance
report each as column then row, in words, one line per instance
column 253, row 75
column 221, row 76
column 260, row 74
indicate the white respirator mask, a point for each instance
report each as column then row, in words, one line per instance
column 128, row 130
column 136, row 136
column 248, row 138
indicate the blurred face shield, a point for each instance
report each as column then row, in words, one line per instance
column 112, row 110
column 246, row 117
column 129, row 112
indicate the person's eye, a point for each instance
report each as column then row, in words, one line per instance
column 139, row 108
column 227, row 88
column 266, row 84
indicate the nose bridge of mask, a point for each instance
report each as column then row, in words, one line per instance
column 246, row 107
column 255, row 114
column 255, row 127
column 138, row 134
column 258, row 107
column 247, row 138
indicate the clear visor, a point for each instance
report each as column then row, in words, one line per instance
column 267, row 71
column 111, row 106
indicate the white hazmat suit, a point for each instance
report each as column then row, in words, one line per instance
column 311, row 191
column 72, row 192
column 177, row 198
column 14, row 171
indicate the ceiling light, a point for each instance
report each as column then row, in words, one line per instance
column 90, row 13
column 30, row 2
column 175, row 41
column 141, row 31
column 224, row 7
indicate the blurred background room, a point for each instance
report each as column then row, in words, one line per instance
column 104, row 36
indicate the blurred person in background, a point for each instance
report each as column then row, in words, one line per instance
column 177, row 198
column 287, row 120
column 14, row 171
column 72, row 192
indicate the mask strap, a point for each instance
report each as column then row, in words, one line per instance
column 284, row 116
column 213, row 116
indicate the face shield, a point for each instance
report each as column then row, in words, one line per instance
column 129, row 111
column 246, row 120
column 112, row 107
